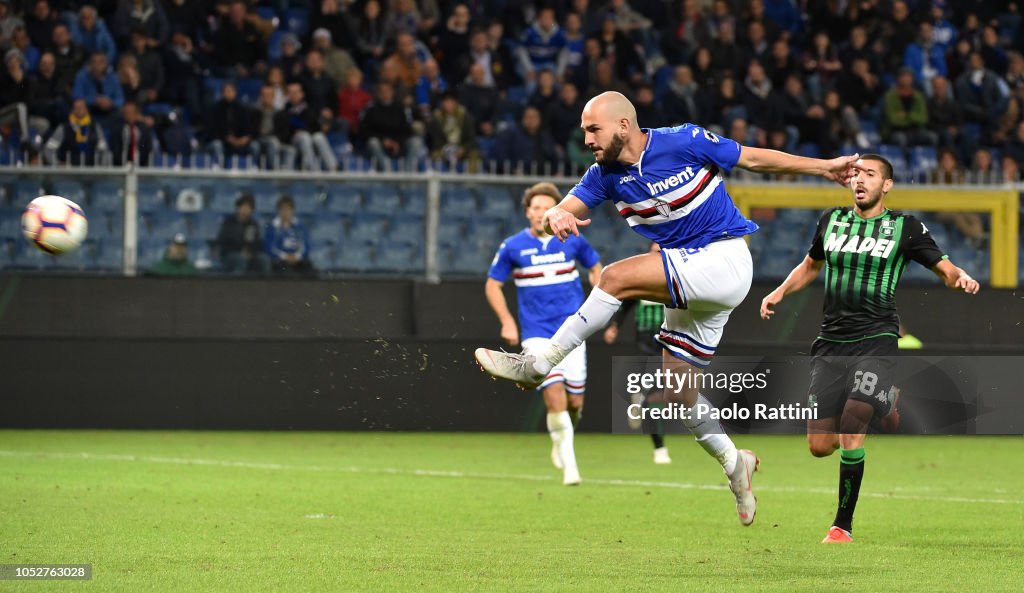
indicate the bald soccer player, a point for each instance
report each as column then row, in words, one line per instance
column 667, row 184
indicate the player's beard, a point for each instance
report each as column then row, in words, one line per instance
column 610, row 153
column 869, row 201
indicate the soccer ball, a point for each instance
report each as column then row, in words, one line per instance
column 54, row 224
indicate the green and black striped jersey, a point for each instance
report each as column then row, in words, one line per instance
column 864, row 259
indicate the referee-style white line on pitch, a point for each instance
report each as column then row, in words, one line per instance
column 475, row 475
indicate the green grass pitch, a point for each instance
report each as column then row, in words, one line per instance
column 205, row 511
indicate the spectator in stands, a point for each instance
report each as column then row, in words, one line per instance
column 544, row 94
column 39, row 24
column 760, row 100
column 584, row 75
column 91, row 33
column 21, row 42
column 503, row 62
column 151, row 67
column 452, row 134
column 175, row 261
column 403, row 16
column 684, row 101
column 992, row 51
column 371, row 35
column 480, row 99
column 905, row 114
column 844, row 126
column 182, row 73
column 290, row 62
column 800, row 114
column 131, row 139
column 648, row 113
column 388, row 132
column 925, row 58
column 187, row 17
column 15, row 92
column 860, row 88
column 270, row 130
column 231, row 128
column 453, row 43
column 147, row 14
column 605, row 80
column 9, row 21
column 821, row 65
column 337, row 62
column 632, row 23
column 334, row 17
column 78, row 140
column 615, row 46
column 784, row 14
column 430, row 87
column 540, row 45
column 1014, row 147
column 943, row 31
column 99, row 86
column 406, row 60
column 49, row 100
column 570, row 57
column 527, row 147
column 756, row 43
column 302, row 129
column 687, row 30
column 977, row 91
column 69, row 58
column 726, row 56
column 563, row 116
column 1011, row 172
column 1015, row 70
column 781, row 63
column 352, row 99
column 897, row 33
column 728, row 105
column 239, row 47
column 238, row 240
column 129, row 79
column 276, row 81
column 983, row 168
column 968, row 223
column 287, row 241
column 320, row 90
column 944, row 115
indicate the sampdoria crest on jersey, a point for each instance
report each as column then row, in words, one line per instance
column 664, row 208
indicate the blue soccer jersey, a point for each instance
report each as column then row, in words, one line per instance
column 674, row 195
column 547, row 281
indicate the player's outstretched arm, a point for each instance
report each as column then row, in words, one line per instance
column 566, row 218
column 764, row 160
column 802, row 275
column 955, row 278
column 496, row 299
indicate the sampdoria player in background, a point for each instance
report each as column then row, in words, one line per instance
column 648, row 317
column 864, row 250
column 667, row 184
column 549, row 290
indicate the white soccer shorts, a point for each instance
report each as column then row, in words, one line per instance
column 706, row 284
column 572, row 370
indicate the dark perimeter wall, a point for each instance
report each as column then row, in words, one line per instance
column 344, row 354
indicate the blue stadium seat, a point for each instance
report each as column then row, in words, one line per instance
column 407, row 229
column 78, row 260
column 106, row 197
column 366, row 228
column 223, row 199
column 398, row 258
column 457, row 201
column 212, row 88
column 267, row 194
column 324, row 255
column 24, row 191
column 809, row 149
column 249, row 89
column 308, row 196
column 343, row 200
column 205, row 225
column 326, row 228
column 10, row 224
column 416, row 200
column 71, row 190
column 923, row 158
column 33, row 259
column 468, row 262
column 163, row 225
column 109, row 255
column 498, row 204
column 354, row 257
column 8, row 252
column 449, row 234
column 382, row 200
column 149, row 253
column 297, row 21
column 894, row 154
column 274, row 45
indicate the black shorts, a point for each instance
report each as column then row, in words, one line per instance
column 862, row 370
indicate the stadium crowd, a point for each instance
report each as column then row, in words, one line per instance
column 938, row 85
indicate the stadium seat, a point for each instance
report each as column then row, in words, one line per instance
column 297, row 21
column 449, row 235
column 8, row 252
column 354, row 257
column 110, row 254
column 10, row 224
column 24, row 191
column 30, row 258
column 498, row 204
column 416, row 200
column 249, row 89
column 274, row 45
column 323, row 255
column 326, row 228
column 382, row 200
column 923, row 158
column 407, row 229
column 205, row 225
column 457, row 201
column 366, row 228
column 106, row 197
column 266, row 194
column 343, row 201
column 163, row 225
column 309, row 197
column 400, row 257
column 71, row 190
column 468, row 262
column 223, row 199
column 80, row 259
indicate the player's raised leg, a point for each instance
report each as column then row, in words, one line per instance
column 640, row 276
